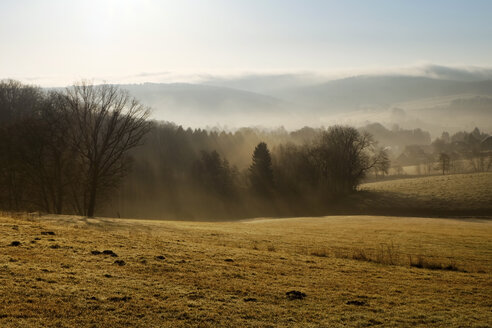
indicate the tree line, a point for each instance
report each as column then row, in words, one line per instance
column 464, row 151
column 91, row 150
column 460, row 152
column 186, row 173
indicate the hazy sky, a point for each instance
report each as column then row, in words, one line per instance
column 59, row 41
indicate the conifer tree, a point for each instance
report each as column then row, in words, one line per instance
column 261, row 172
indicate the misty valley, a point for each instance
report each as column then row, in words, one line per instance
column 93, row 150
column 246, row 163
column 90, row 182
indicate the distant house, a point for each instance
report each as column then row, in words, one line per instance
column 415, row 154
column 403, row 159
column 486, row 143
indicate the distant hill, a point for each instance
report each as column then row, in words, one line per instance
column 195, row 104
column 294, row 101
column 374, row 92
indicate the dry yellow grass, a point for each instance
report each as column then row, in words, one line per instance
column 472, row 192
column 237, row 274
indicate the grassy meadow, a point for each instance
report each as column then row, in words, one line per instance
column 447, row 194
column 350, row 271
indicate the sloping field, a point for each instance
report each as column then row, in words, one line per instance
column 355, row 271
column 458, row 192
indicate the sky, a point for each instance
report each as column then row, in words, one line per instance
column 57, row 42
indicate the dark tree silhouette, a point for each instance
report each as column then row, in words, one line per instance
column 18, row 104
column 214, row 174
column 444, row 162
column 260, row 171
column 105, row 124
column 383, row 164
column 343, row 157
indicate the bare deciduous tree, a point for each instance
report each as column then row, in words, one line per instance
column 383, row 164
column 444, row 162
column 105, row 124
column 344, row 156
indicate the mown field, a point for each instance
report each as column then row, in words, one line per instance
column 447, row 194
column 355, row 271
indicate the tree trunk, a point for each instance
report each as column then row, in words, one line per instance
column 92, row 198
column 92, row 204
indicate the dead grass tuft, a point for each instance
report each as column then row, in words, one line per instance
column 320, row 252
column 421, row 262
column 389, row 254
